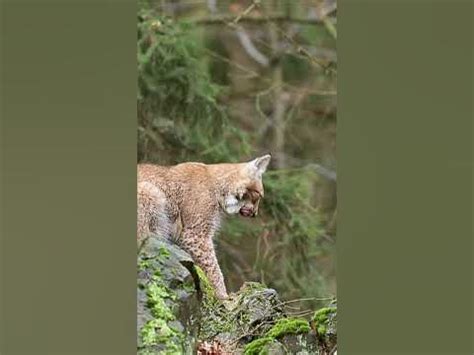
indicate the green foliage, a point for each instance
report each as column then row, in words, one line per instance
column 178, row 114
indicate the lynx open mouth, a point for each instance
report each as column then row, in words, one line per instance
column 246, row 212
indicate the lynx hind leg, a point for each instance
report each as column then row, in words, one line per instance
column 151, row 212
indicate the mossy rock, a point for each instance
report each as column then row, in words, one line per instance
column 286, row 336
column 177, row 305
column 177, row 312
column 166, row 299
column 298, row 336
column 232, row 323
column 324, row 323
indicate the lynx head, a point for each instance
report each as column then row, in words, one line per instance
column 247, row 188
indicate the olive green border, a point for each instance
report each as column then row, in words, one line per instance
column 68, row 76
column 68, row 177
column 404, row 243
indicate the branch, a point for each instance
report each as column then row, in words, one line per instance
column 219, row 20
column 321, row 170
column 250, row 48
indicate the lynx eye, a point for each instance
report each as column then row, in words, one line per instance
column 253, row 195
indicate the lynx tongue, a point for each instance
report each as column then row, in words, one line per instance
column 246, row 212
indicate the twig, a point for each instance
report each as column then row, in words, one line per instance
column 305, row 299
column 301, row 314
column 246, row 11
column 250, row 48
column 218, row 20
column 323, row 171
column 293, row 308
column 319, row 169
column 253, row 331
column 330, row 27
column 235, row 64
column 253, row 74
column 300, row 49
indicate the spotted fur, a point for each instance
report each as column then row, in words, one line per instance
column 186, row 202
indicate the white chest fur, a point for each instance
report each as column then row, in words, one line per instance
column 231, row 204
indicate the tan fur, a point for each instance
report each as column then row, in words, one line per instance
column 186, row 202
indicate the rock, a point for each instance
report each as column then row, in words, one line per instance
column 178, row 313
column 324, row 323
column 167, row 298
column 250, row 311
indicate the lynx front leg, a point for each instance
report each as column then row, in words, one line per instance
column 202, row 251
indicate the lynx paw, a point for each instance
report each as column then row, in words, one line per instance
column 222, row 295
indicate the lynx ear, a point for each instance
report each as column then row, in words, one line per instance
column 259, row 165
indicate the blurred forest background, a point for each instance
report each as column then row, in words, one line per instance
column 226, row 80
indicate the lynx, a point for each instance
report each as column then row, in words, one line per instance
column 186, row 203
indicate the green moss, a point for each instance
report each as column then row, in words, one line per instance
column 156, row 291
column 143, row 264
column 215, row 317
column 321, row 329
column 157, row 302
column 148, row 333
column 189, row 287
column 157, row 332
column 204, row 284
column 252, row 286
column 286, row 326
column 321, row 315
column 164, row 252
column 258, row 346
column 321, row 319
